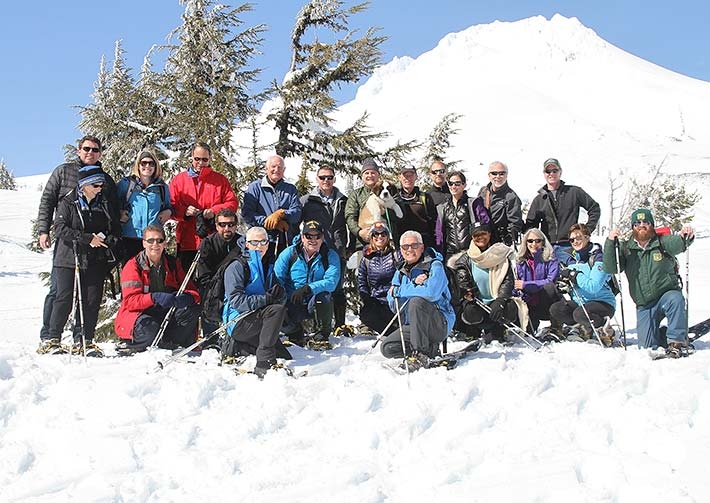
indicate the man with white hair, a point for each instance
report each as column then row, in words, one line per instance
column 503, row 203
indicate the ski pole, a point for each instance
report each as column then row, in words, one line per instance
column 621, row 292
column 80, row 305
column 513, row 328
column 586, row 313
column 401, row 333
column 384, row 332
column 170, row 312
column 221, row 330
column 687, row 289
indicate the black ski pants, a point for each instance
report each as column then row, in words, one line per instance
column 259, row 331
column 569, row 313
column 92, row 291
column 425, row 331
column 181, row 330
column 377, row 316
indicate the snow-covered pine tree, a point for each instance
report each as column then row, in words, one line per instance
column 7, row 179
column 206, row 79
column 326, row 54
column 437, row 144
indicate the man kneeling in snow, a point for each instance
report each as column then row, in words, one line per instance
column 149, row 283
column 428, row 315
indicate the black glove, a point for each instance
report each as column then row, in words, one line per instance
column 163, row 299
column 276, row 291
column 497, row 308
column 299, row 295
column 184, row 300
column 569, row 275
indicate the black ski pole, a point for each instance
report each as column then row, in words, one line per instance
column 621, row 291
column 170, row 312
column 79, row 306
column 586, row 313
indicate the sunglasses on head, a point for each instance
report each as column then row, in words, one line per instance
column 455, row 183
column 258, row 242
column 497, row 173
column 226, row 224
column 326, row 177
column 412, row 246
column 313, row 237
column 551, row 171
column 148, row 163
column 91, row 149
column 201, row 159
column 535, row 240
column 437, row 171
column 152, row 241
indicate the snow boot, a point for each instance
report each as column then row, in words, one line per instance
column 92, row 350
column 417, row 360
column 51, row 347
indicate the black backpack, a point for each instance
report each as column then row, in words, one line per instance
column 213, row 300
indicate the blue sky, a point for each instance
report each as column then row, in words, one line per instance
column 50, row 52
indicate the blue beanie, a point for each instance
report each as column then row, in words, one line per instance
column 89, row 175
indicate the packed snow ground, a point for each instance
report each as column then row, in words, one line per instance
column 578, row 423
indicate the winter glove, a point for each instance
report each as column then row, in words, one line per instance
column 299, row 295
column 184, row 300
column 282, row 226
column 569, row 275
column 276, row 291
column 497, row 308
column 163, row 299
column 272, row 220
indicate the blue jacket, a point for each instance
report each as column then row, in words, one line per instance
column 542, row 273
column 591, row 283
column 241, row 294
column 375, row 272
column 300, row 273
column 261, row 199
column 143, row 204
column 435, row 289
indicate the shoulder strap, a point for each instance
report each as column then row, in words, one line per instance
column 131, row 188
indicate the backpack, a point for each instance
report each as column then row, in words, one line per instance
column 323, row 255
column 132, row 186
column 213, row 300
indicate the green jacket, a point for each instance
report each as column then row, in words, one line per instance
column 650, row 272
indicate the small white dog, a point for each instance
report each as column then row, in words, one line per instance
column 374, row 210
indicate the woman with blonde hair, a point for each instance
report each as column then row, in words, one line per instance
column 145, row 200
column 537, row 269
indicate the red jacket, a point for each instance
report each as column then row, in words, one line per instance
column 208, row 190
column 135, row 290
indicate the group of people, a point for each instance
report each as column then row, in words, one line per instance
column 433, row 263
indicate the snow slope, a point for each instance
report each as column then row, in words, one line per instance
column 578, row 423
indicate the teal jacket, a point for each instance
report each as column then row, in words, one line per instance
column 649, row 271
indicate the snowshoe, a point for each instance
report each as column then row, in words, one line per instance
column 92, row 350
column 318, row 344
column 51, row 347
column 344, row 331
column 679, row 350
column 125, row 349
column 414, row 362
column 365, row 331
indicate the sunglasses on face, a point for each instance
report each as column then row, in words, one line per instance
column 312, row 237
column 226, row 224
column 576, row 238
column 551, row 171
column 455, row 184
column 258, row 242
column 638, row 223
column 326, row 177
column 497, row 173
column 438, row 171
column 148, row 163
column 201, row 159
column 91, row 149
column 152, row 241
column 536, row 241
column 379, row 234
column 98, row 185
column 412, row 246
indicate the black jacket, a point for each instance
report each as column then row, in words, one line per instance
column 213, row 249
column 555, row 215
column 78, row 221
column 455, row 225
column 62, row 182
column 419, row 214
column 439, row 194
column 506, row 211
column 331, row 217
column 464, row 278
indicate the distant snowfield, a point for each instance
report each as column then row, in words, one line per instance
column 575, row 424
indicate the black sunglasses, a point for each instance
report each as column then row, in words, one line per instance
column 98, row 185
column 147, row 163
column 91, row 149
column 536, row 241
column 226, row 224
column 576, row 238
column 497, row 173
column 326, row 177
column 152, row 241
column 551, row 171
column 312, row 237
column 438, row 171
column 379, row 234
column 455, row 184
column 201, row 159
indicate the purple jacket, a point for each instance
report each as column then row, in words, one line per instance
column 536, row 273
